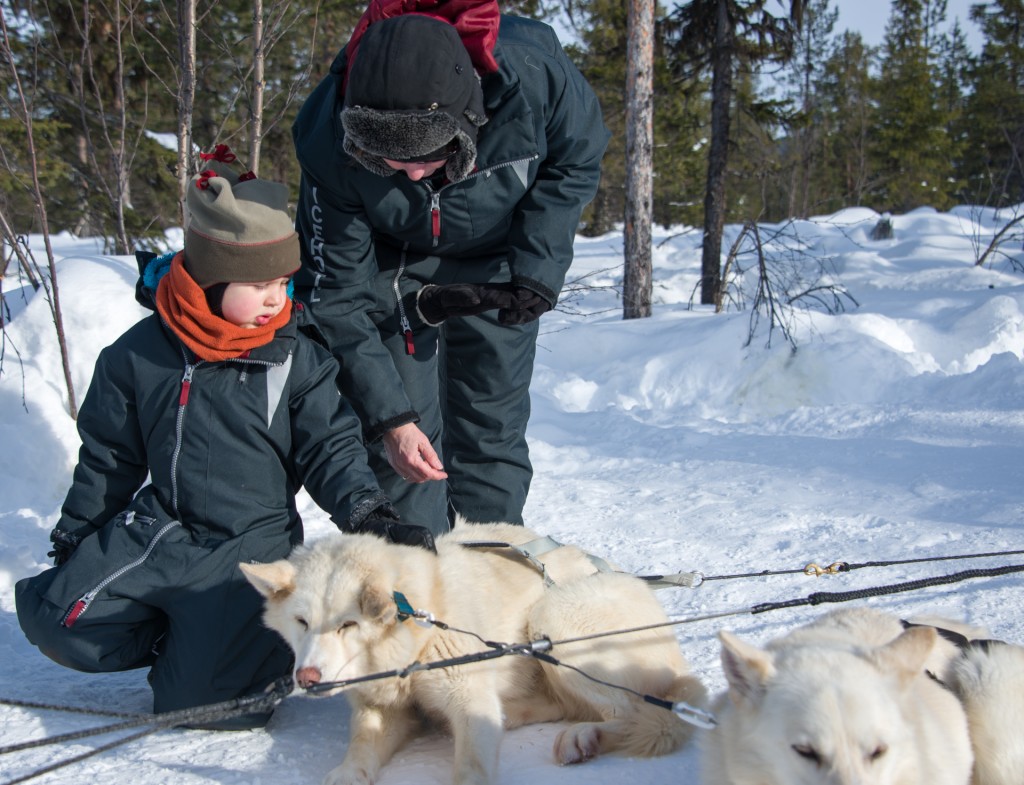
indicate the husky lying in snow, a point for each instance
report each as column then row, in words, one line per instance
column 844, row 700
column 336, row 603
column 989, row 679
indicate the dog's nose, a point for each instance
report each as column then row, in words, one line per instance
column 308, row 676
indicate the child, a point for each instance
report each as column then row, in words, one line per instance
column 229, row 408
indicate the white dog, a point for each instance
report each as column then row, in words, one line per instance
column 845, row 700
column 989, row 678
column 338, row 603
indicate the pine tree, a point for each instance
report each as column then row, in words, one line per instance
column 954, row 68
column 911, row 145
column 802, row 157
column 717, row 36
column 993, row 164
column 848, row 118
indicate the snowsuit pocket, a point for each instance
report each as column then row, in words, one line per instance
column 105, row 560
column 92, row 613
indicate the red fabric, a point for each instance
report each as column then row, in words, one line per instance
column 182, row 304
column 476, row 20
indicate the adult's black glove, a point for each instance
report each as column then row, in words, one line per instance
column 64, row 544
column 526, row 306
column 382, row 524
column 437, row 303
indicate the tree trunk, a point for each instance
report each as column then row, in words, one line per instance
column 120, row 141
column 258, row 87
column 637, row 284
column 718, row 158
column 23, row 115
column 186, row 96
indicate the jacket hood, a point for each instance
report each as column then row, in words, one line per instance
column 476, row 21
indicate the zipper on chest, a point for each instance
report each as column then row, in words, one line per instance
column 179, row 424
column 435, row 217
column 406, row 326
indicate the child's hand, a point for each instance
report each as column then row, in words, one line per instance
column 64, row 544
column 397, row 532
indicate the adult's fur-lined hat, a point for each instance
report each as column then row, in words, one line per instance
column 238, row 226
column 412, row 94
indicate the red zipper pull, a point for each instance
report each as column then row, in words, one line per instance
column 435, row 216
column 410, row 347
column 186, row 385
column 76, row 610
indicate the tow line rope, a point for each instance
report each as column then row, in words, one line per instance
column 538, row 649
column 696, row 578
column 261, row 702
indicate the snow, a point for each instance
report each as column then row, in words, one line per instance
column 894, row 432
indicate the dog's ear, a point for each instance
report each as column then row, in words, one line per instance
column 906, row 655
column 378, row 604
column 271, row 580
column 747, row 668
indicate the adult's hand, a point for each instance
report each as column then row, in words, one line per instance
column 411, row 455
column 437, row 303
column 526, row 306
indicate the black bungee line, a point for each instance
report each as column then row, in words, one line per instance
column 821, row 597
column 265, row 701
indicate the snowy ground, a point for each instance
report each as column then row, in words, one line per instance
column 894, row 432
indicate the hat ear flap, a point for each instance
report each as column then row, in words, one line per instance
column 461, row 165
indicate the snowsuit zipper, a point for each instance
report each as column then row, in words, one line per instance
column 129, row 517
column 82, row 604
column 435, row 217
column 179, row 425
column 435, row 239
column 186, row 388
column 435, row 195
column 410, row 347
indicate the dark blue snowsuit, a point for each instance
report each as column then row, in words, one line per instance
column 226, row 445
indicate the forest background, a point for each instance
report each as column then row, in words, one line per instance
column 819, row 120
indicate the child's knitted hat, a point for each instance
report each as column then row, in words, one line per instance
column 238, row 228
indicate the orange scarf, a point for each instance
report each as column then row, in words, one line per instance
column 182, row 304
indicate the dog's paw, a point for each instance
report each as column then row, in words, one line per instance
column 348, row 775
column 577, row 743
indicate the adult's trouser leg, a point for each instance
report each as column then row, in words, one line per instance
column 486, row 368
column 426, row 503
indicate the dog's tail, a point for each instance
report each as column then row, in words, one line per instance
column 652, row 730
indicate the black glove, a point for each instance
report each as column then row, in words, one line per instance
column 381, row 523
column 526, row 306
column 64, row 544
column 437, row 303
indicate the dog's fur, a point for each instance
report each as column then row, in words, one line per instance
column 990, row 682
column 844, row 700
column 333, row 603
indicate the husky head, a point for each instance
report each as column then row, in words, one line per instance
column 333, row 603
column 819, row 714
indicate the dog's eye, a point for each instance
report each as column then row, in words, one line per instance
column 878, row 752
column 346, row 625
column 302, row 622
column 808, row 752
